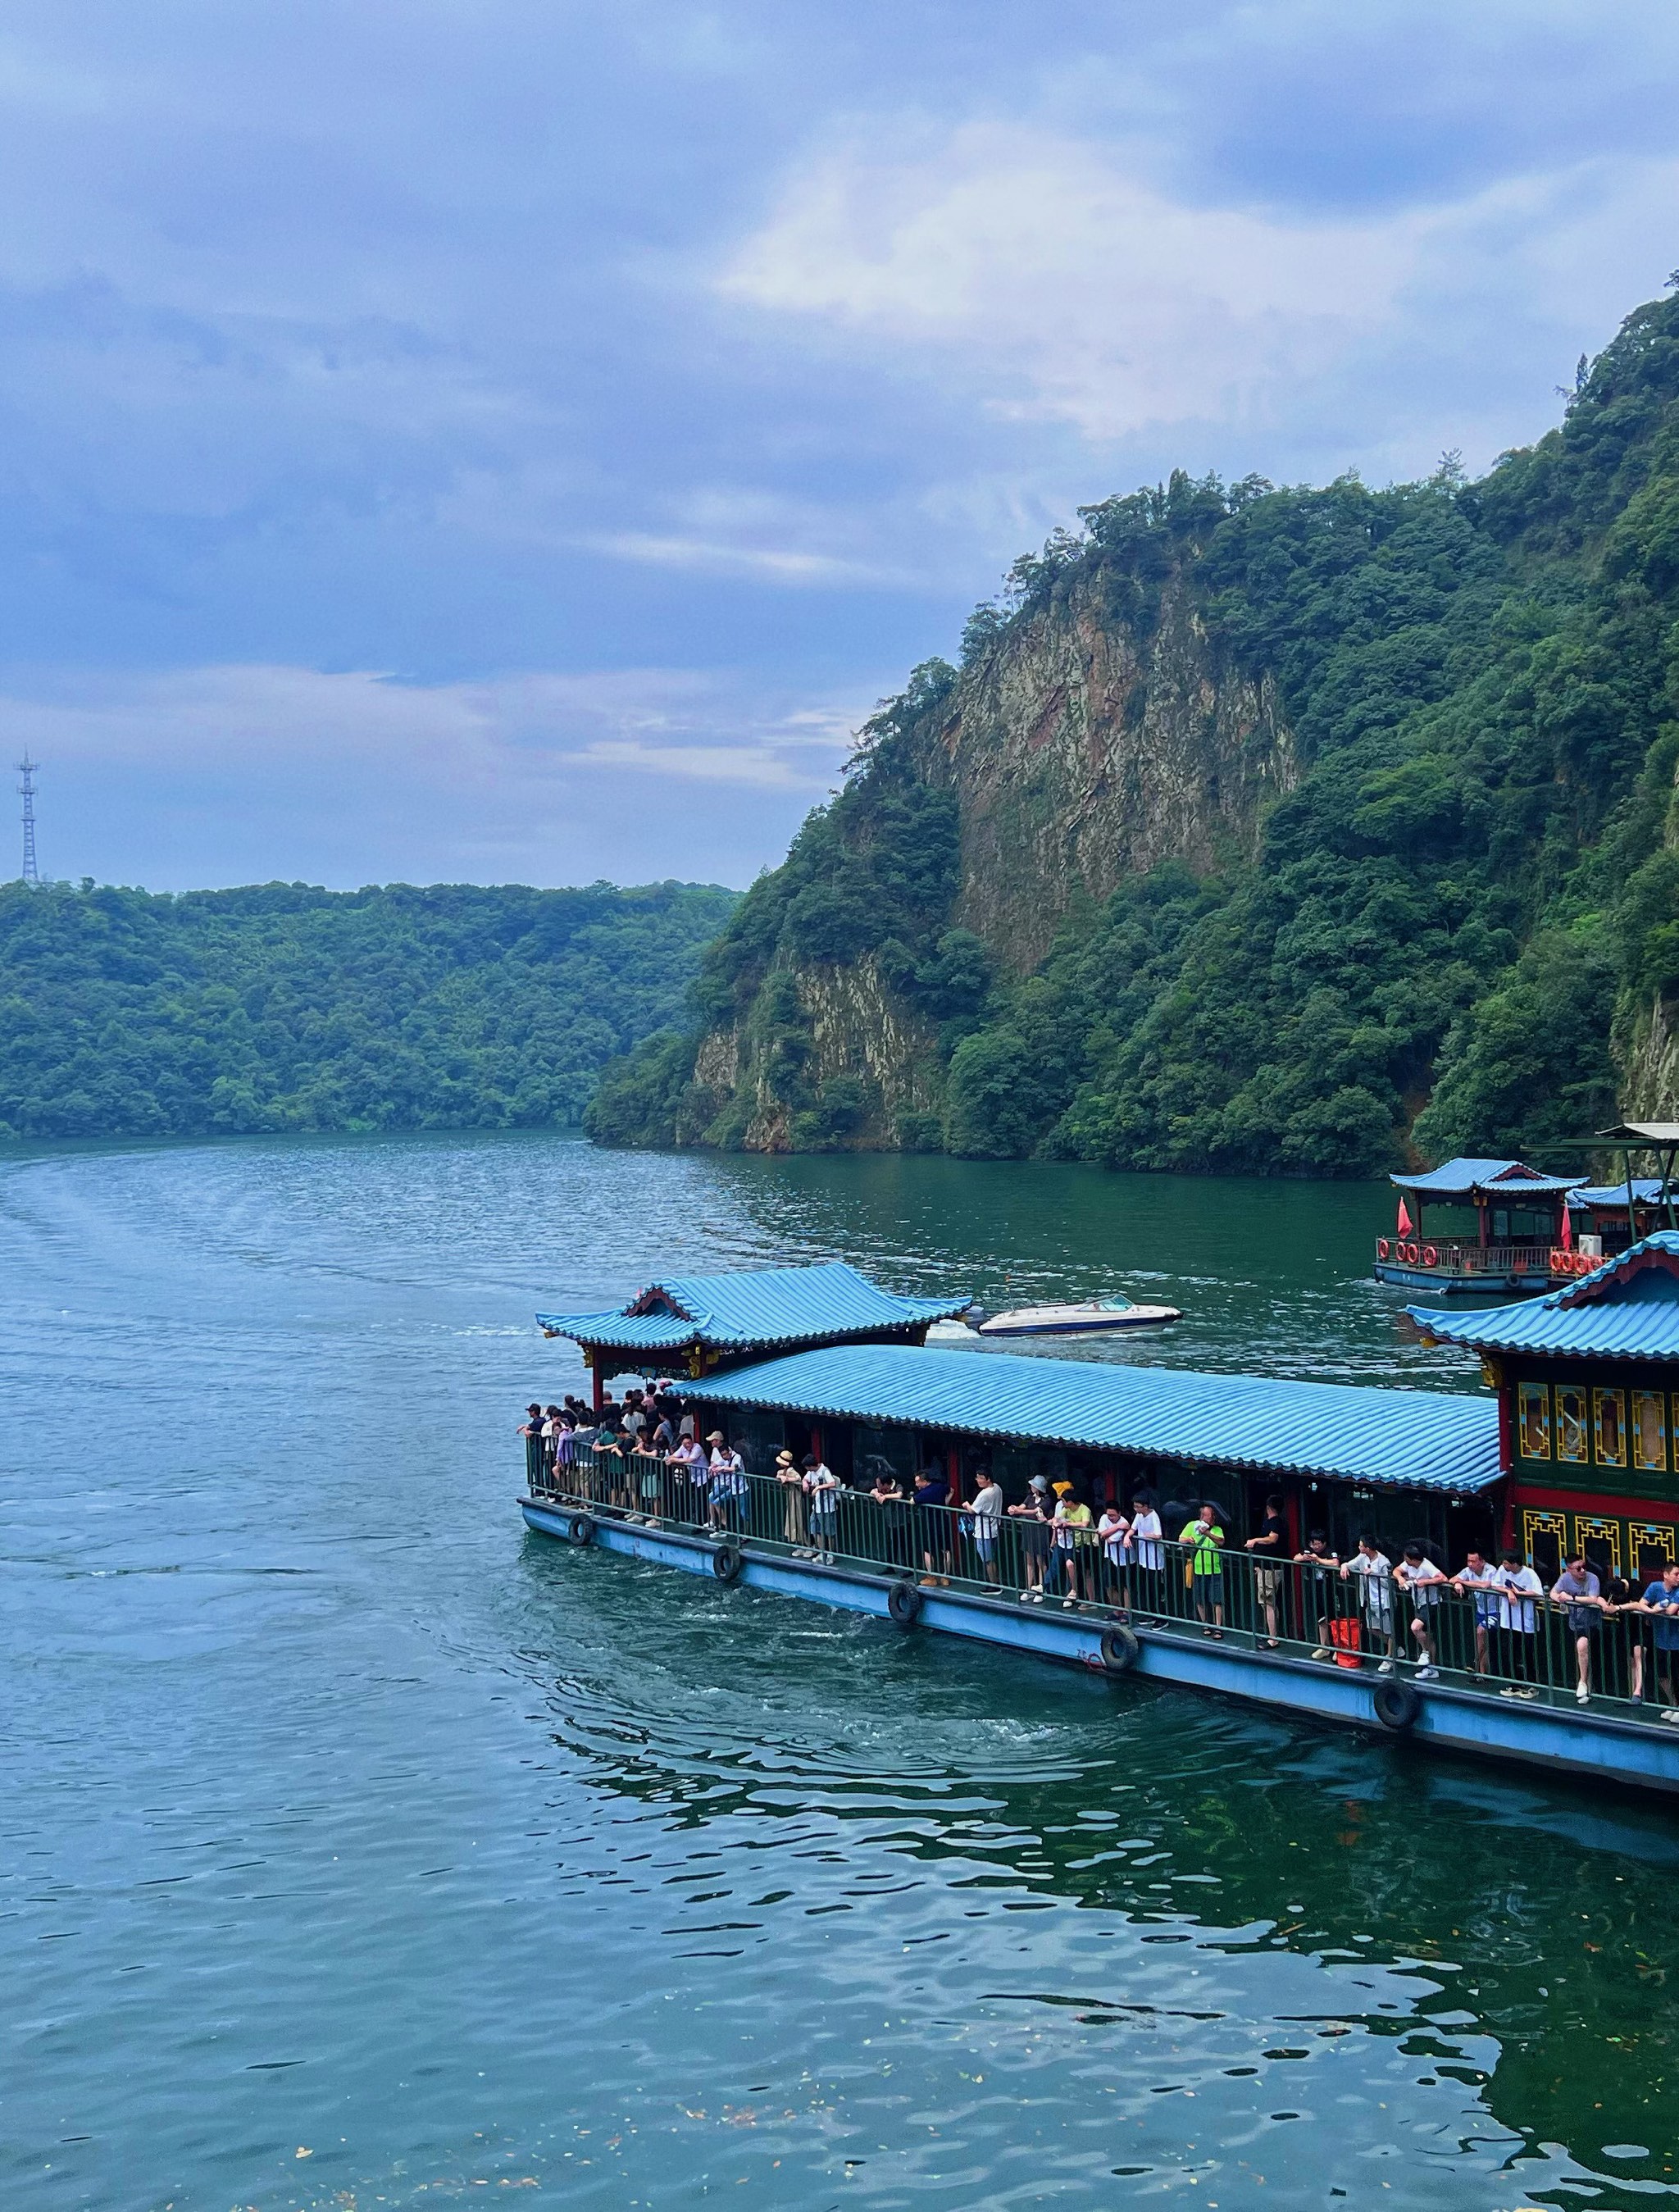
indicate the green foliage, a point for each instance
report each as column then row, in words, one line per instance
column 283, row 1008
column 1472, row 886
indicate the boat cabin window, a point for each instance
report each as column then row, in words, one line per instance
column 1649, row 1431
column 1534, row 1404
column 1653, row 1548
column 1522, row 1224
column 1610, row 1415
column 1570, row 1414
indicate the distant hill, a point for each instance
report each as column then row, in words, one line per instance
column 130, row 1013
column 1259, row 830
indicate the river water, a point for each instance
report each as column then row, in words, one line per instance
column 360, row 1849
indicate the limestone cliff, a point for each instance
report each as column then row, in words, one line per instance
column 1082, row 752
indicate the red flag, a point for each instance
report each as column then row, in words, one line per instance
column 1404, row 1220
column 1566, row 1239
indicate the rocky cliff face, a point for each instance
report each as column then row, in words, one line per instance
column 1079, row 749
column 1081, row 753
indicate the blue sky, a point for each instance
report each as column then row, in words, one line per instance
column 508, row 440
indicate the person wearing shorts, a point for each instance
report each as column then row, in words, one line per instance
column 986, row 1512
column 1204, row 1537
column 1268, row 1550
column 1477, row 1576
column 1374, row 1570
column 1579, row 1591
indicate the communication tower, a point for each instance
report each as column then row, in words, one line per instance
column 26, row 768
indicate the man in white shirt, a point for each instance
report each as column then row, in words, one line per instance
column 1375, row 1571
column 1423, row 1582
column 1519, row 1587
column 1146, row 1534
column 822, row 1492
column 987, row 1512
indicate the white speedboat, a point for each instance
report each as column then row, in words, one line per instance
column 1083, row 1318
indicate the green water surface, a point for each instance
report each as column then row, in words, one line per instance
column 360, row 1849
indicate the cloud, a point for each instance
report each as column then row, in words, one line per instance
column 1054, row 275
column 287, row 771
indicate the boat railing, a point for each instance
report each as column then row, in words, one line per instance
column 1464, row 1256
column 1521, row 1648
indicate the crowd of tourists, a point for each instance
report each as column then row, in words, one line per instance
column 654, row 1464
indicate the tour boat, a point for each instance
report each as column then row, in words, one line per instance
column 1081, row 1318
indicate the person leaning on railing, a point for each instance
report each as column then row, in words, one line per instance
column 1318, row 1567
column 1425, row 1585
column 1035, row 1515
column 985, row 1526
column 822, row 1491
column 1204, row 1537
column 1661, row 1601
column 1476, row 1579
column 1269, row 1548
column 728, row 1482
column 1375, row 1572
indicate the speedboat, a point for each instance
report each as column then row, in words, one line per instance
column 1083, row 1318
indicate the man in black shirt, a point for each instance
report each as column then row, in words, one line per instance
column 1268, row 1551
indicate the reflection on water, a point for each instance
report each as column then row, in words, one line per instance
column 344, row 1818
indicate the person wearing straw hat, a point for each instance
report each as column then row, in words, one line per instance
column 791, row 1477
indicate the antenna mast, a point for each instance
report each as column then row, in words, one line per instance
column 26, row 768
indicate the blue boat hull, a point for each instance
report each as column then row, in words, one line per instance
column 1584, row 1743
column 1484, row 1289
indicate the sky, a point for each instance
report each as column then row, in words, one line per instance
column 493, row 441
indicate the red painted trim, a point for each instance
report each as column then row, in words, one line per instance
column 1607, row 1508
column 1507, row 1426
column 598, row 1370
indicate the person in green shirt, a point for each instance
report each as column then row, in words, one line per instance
column 1203, row 1536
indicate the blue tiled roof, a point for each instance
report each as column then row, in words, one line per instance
column 1395, row 1439
column 1462, row 1178
column 1628, row 1309
column 757, row 1306
column 1645, row 1190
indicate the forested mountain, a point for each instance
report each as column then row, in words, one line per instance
column 283, row 1007
column 1276, row 830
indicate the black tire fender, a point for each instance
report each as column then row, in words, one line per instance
column 1119, row 1648
column 903, row 1603
column 1397, row 1706
column 726, row 1563
column 579, row 1529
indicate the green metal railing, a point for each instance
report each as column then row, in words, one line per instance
column 1525, row 1649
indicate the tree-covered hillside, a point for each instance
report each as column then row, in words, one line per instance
column 283, row 1008
column 1455, row 927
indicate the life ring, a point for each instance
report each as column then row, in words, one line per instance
column 1584, row 1264
column 1560, row 1261
column 1431, row 1257
column 903, row 1603
column 579, row 1529
column 1409, row 1255
column 726, row 1563
column 1383, row 1248
column 1119, row 1648
column 1397, row 1706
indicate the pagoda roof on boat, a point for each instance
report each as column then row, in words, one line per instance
column 1469, row 1178
column 755, row 1307
column 1628, row 1309
column 1647, row 1190
column 1393, row 1439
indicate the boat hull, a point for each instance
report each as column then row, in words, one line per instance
column 1482, row 1288
column 1598, row 1746
column 1083, row 1325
